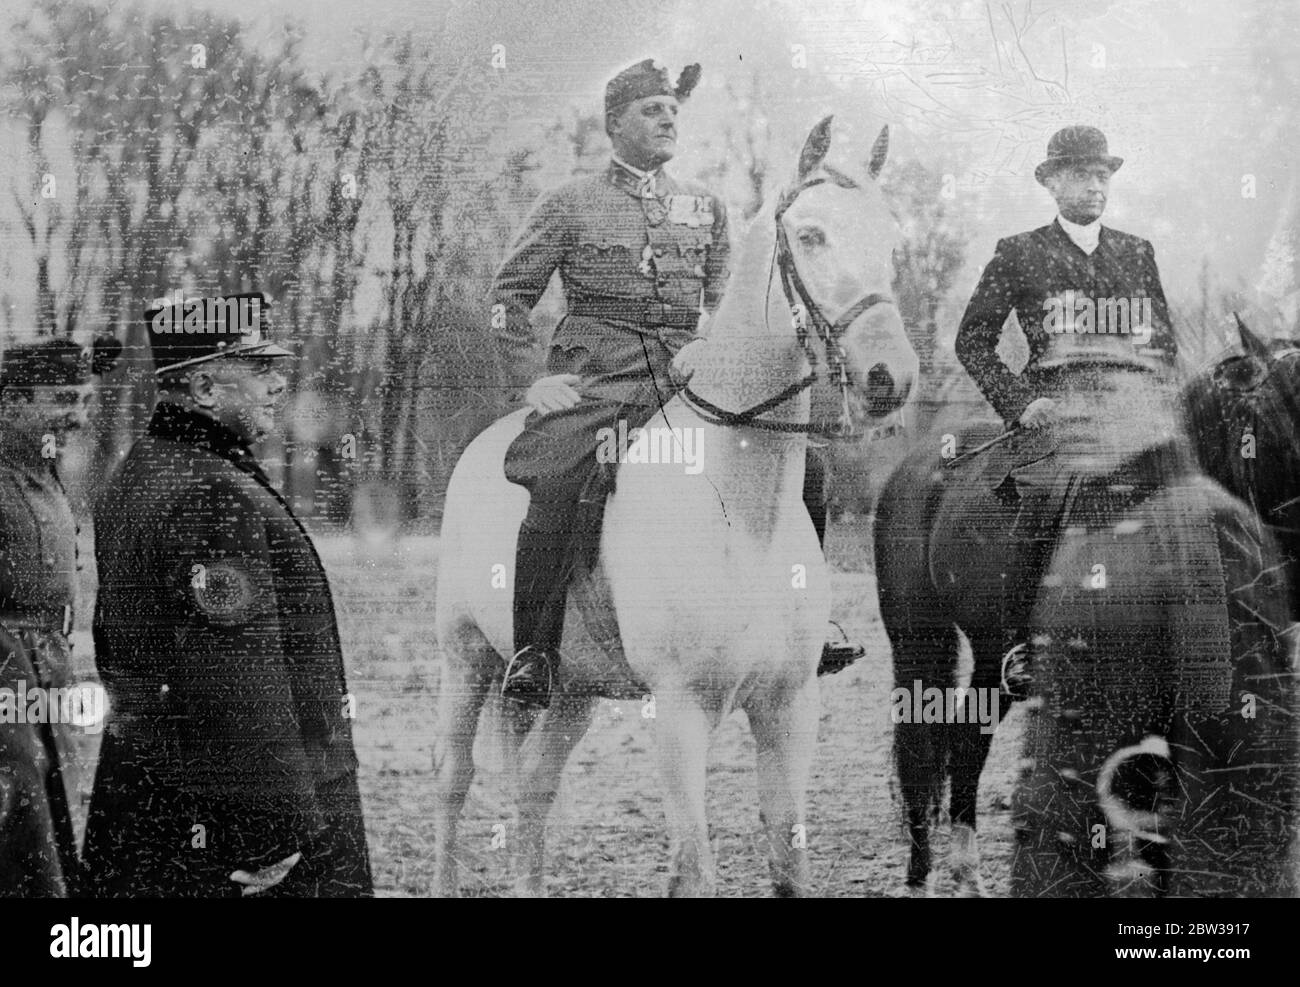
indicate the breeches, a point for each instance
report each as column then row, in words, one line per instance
column 555, row 458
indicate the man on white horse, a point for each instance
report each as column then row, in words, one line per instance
column 638, row 253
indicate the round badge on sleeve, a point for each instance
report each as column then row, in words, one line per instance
column 224, row 592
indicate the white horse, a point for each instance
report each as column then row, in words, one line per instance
column 711, row 591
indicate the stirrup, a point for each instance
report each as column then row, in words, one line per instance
column 1016, row 677
column 839, row 655
column 529, row 678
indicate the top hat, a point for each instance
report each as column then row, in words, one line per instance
column 648, row 77
column 187, row 331
column 1078, row 144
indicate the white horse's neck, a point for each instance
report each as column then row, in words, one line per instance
column 753, row 355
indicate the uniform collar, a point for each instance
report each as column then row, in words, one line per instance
column 171, row 421
column 632, row 179
column 1085, row 236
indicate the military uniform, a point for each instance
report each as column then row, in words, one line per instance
column 636, row 266
column 229, row 741
column 39, row 562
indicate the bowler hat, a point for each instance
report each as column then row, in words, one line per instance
column 1078, row 144
column 648, row 78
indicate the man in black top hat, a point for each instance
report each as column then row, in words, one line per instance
column 45, row 393
column 227, row 767
column 1077, row 287
column 642, row 257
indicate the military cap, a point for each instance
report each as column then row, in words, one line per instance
column 1078, row 144
column 648, row 78
column 57, row 362
column 186, row 331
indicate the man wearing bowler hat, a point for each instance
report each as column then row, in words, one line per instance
column 642, row 258
column 45, row 394
column 1065, row 282
column 227, row 767
column 1087, row 297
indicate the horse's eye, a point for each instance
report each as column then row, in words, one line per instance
column 811, row 236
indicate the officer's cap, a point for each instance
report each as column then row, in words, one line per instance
column 57, row 362
column 648, row 78
column 187, row 331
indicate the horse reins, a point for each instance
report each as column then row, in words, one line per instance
column 803, row 309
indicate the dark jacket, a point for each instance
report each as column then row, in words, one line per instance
column 38, row 587
column 637, row 275
column 35, row 835
column 1031, row 275
column 228, row 743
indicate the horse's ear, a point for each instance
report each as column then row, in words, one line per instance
column 1252, row 344
column 879, row 151
column 815, row 148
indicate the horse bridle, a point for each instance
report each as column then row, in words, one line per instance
column 803, row 309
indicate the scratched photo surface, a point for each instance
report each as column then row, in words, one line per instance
column 612, row 449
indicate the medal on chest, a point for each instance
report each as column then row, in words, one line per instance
column 654, row 208
column 647, row 265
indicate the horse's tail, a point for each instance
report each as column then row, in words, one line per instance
column 921, row 632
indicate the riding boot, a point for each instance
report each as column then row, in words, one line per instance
column 541, row 591
column 541, row 596
column 1034, row 533
column 836, row 655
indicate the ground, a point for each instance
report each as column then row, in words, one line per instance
column 607, row 834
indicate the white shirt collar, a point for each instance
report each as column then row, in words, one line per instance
column 1086, row 236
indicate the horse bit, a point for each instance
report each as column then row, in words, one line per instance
column 804, row 309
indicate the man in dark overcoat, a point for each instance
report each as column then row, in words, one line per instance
column 227, row 766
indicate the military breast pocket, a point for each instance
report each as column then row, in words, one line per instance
column 693, row 249
column 601, row 266
column 571, row 349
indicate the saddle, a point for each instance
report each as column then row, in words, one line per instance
column 1001, row 513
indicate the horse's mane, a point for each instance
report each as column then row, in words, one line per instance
column 1243, row 415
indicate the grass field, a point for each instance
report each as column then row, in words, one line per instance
column 607, row 836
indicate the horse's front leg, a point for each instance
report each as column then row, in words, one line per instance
column 784, row 724
column 682, row 726
column 545, row 754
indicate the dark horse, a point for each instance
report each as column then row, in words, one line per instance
column 1151, row 605
column 1244, row 416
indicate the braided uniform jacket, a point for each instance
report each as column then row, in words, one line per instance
column 637, row 270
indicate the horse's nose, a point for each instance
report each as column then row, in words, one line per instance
column 883, row 392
